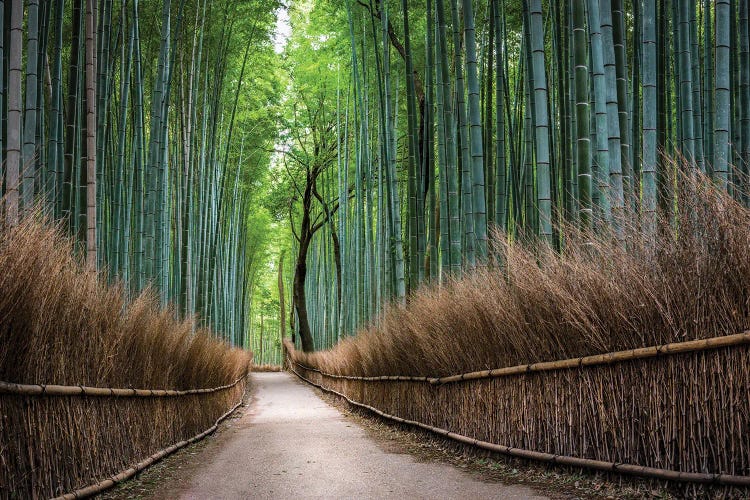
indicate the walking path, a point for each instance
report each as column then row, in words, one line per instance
column 291, row 444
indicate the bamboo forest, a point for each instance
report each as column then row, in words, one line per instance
column 375, row 249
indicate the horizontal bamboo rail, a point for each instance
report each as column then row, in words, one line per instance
column 635, row 470
column 101, row 486
column 565, row 364
column 81, row 390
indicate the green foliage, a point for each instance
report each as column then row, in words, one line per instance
column 216, row 151
column 187, row 97
column 582, row 96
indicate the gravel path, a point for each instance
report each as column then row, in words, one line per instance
column 291, row 444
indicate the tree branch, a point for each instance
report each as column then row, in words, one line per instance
column 294, row 181
column 291, row 221
column 418, row 85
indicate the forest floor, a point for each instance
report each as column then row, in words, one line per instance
column 292, row 441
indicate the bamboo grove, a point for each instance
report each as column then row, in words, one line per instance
column 441, row 122
column 126, row 120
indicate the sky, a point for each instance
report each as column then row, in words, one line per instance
column 283, row 29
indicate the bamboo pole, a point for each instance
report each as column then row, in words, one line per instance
column 101, row 486
column 29, row 151
column 722, row 93
column 13, row 130
column 474, row 126
column 565, row 364
column 81, row 390
column 91, row 209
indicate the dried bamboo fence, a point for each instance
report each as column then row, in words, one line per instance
column 677, row 412
column 76, row 441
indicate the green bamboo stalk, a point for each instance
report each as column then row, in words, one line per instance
column 650, row 107
column 359, row 208
column 686, row 82
column 635, row 110
column 139, row 248
column 600, row 108
column 13, row 153
column 542, row 125
column 663, row 103
column 501, row 191
column 617, row 196
column 55, row 155
column 155, row 168
column 621, row 76
column 3, row 114
column 708, row 88
column 44, row 91
column 513, row 183
column 735, row 186
column 488, row 125
column 454, row 218
column 531, row 213
column 479, row 207
column 563, row 175
column 106, row 191
column 29, row 153
column 122, row 219
column 435, row 216
column 722, row 93
column 395, row 269
column 445, row 237
column 91, row 199
column 696, row 88
column 459, row 102
column 594, row 143
column 570, row 120
column 744, row 146
column 72, row 122
column 583, row 154
column 676, row 128
column 413, row 151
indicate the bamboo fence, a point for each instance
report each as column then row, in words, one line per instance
column 101, row 486
column 678, row 412
column 81, row 390
column 71, row 441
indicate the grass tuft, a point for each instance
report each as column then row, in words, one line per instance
column 60, row 324
column 600, row 293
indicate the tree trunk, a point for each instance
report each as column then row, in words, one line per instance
column 337, row 262
column 260, row 357
column 282, row 302
column 300, row 301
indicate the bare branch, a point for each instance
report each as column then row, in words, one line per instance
column 294, row 181
column 375, row 11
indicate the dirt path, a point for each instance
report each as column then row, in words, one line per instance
column 291, row 444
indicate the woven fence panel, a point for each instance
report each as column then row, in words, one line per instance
column 51, row 445
column 688, row 412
